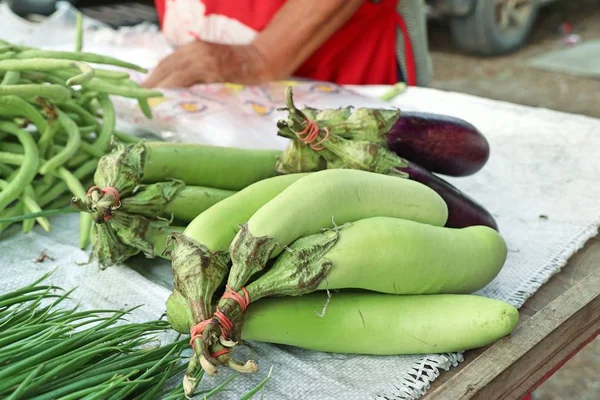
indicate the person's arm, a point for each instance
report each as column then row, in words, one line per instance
column 298, row 29
column 294, row 33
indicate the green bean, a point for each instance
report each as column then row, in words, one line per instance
column 11, row 147
column 126, row 138
column 47, row 194
column 11, row 77
column 71, row 147
column 86, row 117
column 46, row 139
column 75, row 117
column 108, row 123
column 28, row 168
column 77, row 160
column 8, row 213
column 42, row 77
column 31, row 206
column 112, row 75
column 54, row 93
column 91, row 150
column 85, row 219
column 79, row 32
column 93, row 106
column 98, row 73
column 61, row 203
column 13, row 106
column 88, row 96
column 80, row 56
column 8, row 55
column 87, row 129
column 103, row 86
column 49, row 64
column 145, row 107
column 31, row 203
column 11, row 158
column 5, row 170
column 87, row 148
column 143, row 103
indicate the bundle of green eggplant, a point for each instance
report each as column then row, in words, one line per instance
column 144, row 191
column 56, row 121
column 338, row 260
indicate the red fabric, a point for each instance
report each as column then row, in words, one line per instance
column 361, row 52
column 160, row 10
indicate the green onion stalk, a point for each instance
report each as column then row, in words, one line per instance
column 52, row 350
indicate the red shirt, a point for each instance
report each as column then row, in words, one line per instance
column 361, row 52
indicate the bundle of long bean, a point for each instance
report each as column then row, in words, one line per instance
column 56, row 121
column 49, row 350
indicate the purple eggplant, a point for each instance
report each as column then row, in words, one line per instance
column 463, row 211
column 439, row 143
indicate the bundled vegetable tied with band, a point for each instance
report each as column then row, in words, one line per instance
column 408, row 145
column 146, row 185
column 200, row 257
column 314, row 202
column 380, row 254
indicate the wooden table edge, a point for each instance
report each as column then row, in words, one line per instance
column 567, row 319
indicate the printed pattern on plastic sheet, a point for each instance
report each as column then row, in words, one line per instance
column 231, row 114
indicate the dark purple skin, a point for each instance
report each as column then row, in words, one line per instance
column 441, row 144
column 463, row 211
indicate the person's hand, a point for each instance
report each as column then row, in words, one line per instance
column 205, row 62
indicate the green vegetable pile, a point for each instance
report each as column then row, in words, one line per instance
column 56, row 121
column 50, row 350
column 338, row 260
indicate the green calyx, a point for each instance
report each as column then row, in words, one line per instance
column 249, row 255
column 346, row 139
column 151, row 200
column 197, row 273
column 147, row 200
column 298, row 271
column 362, row 155
column 107, row 249
column 298, row 158
column 125, row 236
column 121, row 169
column 368, row 124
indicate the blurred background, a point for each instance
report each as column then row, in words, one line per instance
column 541, row 53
